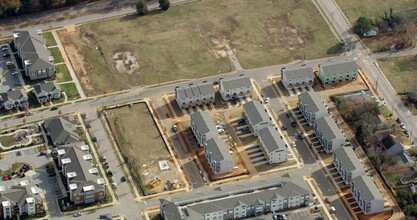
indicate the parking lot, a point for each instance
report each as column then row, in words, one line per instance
column 303, row 214
column 8, row 79
column 48, row 184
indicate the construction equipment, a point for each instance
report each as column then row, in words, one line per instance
column 155, row 182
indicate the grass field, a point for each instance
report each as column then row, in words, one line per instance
column 70, row 90
column 401, row 72
column 353, row 9
column 56, row 54
column 189, row 41
column 7, row 141
column 143, row 148
column 62, row 73
column 49, row 38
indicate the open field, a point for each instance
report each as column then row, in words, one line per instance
column 189, row 41
column 142, row 148
column 70, row 90
column 49, row 38
column 353, row 9
column 62, row 73
column 401, row 72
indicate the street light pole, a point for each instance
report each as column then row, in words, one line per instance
column 159, row 74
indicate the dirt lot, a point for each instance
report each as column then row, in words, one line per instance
column 144, row 148
column 189, row 41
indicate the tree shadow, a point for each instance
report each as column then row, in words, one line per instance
column 135, row 16
column 335, row 50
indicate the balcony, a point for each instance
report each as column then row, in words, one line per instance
column 290, row 86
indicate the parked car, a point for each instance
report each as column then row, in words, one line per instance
column 284, row 127
column 6, row 54
column 398, row 120
column 15, row 73
column 103, row 158
column 204, row 179
column 17, row 83
column 94, row 139
column 327, row 200
column 221, row 130
column 332, row 210
column 9, row 63
column 241, row 122
column 5, row 177
column 112, row 180
column 123, row 179
column 4, row 48
column 174, row 128
column 10, row 177
column 294, row 124
column 168, row 116
column 21, row 115
column 115, row 185
column 54, row 108
column 244, row 130
column 288, row 115
column 406, row 132
column 402, row 125
column 300, row 136
column 29, row 113
column 293, row 144
column 42, row 153
column 19, row 153
column 78, row 214
column 109, row 173
column 267, row 100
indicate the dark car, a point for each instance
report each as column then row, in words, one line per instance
column 109, row 173
column 21, row 115
column 241, row 122
column 244, row 130
column 288, row 115
column 94, row 139
column 300, row 136
column 42, row 153
column 123, row 179
column 54, row 108
column 398, row 120
column 284, row 127
column 294, row 124
column 9, row 177
column 168, row 116
column 18, row 153
column 6, row 55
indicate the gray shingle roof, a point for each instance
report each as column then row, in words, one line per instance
column 18, row 194
column 195, row 89
column 312, row 101
column 348, row 158
column 389, row 141
column 296, row 72
column 339, row 66
column 13, row 95
column 229, row 196
column 235, row 82
column 46, row 87
column 33, row 49
column 203, row 121
column 218, row 149
column 62, row 129
column 329, row 128
column 80, row 166
column 256, row 112
column 367, row 188
column 271, row 138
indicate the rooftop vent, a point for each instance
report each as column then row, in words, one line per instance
column 24, row 183
column 34, row 190
column 71, row 174
column 39, row 32
column 88, row 188
column 87, row 157
column 61, row 152
column 30, row 200
column 93, row 170
column 51, row 59
column 85, row 147
column 66, row 161
column 73, row 186
column 101, row 181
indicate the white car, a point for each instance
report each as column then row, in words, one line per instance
column 29, row 114
column 114, row 185
column 402, row 125
column 218, row 126
column 293, row 144
column 221, row 130
column 267, row 100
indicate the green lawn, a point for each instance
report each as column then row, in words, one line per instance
column 56, row 54
column 189, row 41
column 353, row 9
column 62, row 73
column 70, row 90
column 401, row 72
column 33, row 101
column 41, row 148
column 7, row 141
column 49, row 38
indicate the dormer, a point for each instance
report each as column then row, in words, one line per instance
column 71, row 175
column 87, row 157
column 65, row 161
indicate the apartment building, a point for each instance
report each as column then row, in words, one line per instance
column 194, row 94
column 338, row 71
column 14, row 99
column 297, row 77
column 218, row 156
column 203, row 127
column 272, row 145
column 311, row 106
column 45, row 92
column 240, row 201
column 328, row 134
column 256, row 116
column 20, row 200
column 62, row 130
column 367, row 195
column 36, row 58
column 235, row 87
column 84, row 184
column 347, row 164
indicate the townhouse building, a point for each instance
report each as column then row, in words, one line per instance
column 272, row 145
column 338, row 71
column 194, row 94
column 256, row 116
column 297, row 77
column 14, row 99
column 45, row 92
column 311, row 106
column 36, row 58
column 235, row 87
column 62, row 130
column 240, row 201
column 218, row 156
column 84, row 184
column 347, row 164
column 20, row 200
column 367, row 195
column 328, row 134
column 203, row 127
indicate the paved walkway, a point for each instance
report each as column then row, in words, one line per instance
column 67, row 62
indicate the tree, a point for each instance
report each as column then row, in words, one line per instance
column 59, row 112
column 141, row 8
column 362, row 26
column 164, row 4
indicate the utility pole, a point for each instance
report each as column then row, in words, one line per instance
column 304, row 55
column 376, row 84
column 159, row 74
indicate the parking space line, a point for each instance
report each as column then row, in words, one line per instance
column 4, row 73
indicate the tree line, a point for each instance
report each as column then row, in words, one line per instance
column 142, row 7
